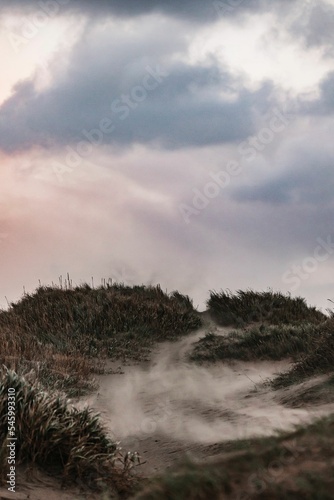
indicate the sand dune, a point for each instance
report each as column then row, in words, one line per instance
column 171, row 407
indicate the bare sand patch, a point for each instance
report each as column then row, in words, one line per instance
column 171, row 407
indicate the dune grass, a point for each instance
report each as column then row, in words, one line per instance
column 318, row 392
column 309, row 346
column 296, row 465
column 283, row 328
column 62, row 333
column 317, row 359
column 68, row 443
column 245, row 307
column 264, row 342
column 57, row 338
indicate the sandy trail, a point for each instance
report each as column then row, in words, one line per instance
column 169, row 407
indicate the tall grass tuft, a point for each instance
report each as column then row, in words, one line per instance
column 264, row 342
column 245, row 307
column 317, row 359
column 61, row 440
column 62, row 333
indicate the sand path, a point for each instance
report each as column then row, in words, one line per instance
column 170, row 407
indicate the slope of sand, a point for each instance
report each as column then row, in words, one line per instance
column 170, row 407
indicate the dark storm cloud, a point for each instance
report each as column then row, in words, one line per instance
column 308, row 182
column 327, row 94
column 321, row 106
column 316, row 25
column 199, row 10
column 325, row 104
column 170, row 104
column 282, row 216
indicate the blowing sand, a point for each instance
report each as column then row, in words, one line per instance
column 171, row 407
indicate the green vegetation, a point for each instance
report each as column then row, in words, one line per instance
column 310, row 346
column 288, row 329
column 246, row 307
column 263, row 342
column 188, row 482
column 317, row 359
column 57, row 338
column 297, row 465
column 62, row 333
column 64, row 441
column 319, row 392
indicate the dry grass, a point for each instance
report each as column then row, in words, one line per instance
column 312, row 393
column 246, row 307
column 56, row 339
column 58, row 336
column 318, row 359
column 264, row 342
column 310, row 346
column 23, row 353
column 69, row 443
column 288, row 328
column 297, row 465
column 63, row 333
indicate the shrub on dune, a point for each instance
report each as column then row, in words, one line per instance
column 68, row 442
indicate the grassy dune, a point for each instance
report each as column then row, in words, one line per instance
column 246, row 307
column 59, row 439
column 297, row 465
column 55, row 340
column 318, row 358
column 262, row 342
column 283, row 328
column 64, row 333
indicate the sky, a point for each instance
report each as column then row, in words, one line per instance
column 188, row 144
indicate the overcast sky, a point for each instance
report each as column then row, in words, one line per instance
column 183, row 143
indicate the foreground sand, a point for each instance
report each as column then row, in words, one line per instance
column 170, row 408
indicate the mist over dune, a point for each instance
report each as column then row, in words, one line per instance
column 191, row 161
column 172, row 405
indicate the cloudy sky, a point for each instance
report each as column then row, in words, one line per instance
column 183, row 143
